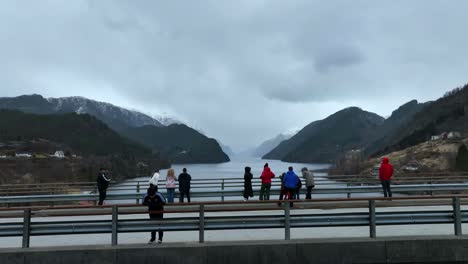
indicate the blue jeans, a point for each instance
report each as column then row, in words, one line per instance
column 170, row 195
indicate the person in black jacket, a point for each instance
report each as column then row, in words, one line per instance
column 184, row 185
column 155, row 202
column 102, row 183
column 248, row 191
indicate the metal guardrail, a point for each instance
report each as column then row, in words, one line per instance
column 201, row 223
column 236, row 192
column 11, row 189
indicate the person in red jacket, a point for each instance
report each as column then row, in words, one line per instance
column 266, row 177
column 385, row 175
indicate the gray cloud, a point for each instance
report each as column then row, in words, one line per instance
column 242, row 71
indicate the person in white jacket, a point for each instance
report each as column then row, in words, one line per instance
column 154, row 180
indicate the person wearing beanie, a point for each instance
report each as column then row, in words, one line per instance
column 155, row 202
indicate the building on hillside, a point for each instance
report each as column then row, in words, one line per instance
column 454, row 135
column 437, row 137
column 59, row 154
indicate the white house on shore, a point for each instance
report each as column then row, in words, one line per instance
column 59, row 154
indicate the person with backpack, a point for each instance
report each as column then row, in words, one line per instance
column 184, row 185
column 170, row 185
column 266, row 177
column 155, row 202
column 385, row 175
column 248, row 191
column 308, row 176
column 102, row 184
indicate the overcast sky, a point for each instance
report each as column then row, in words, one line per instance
column 241, row 71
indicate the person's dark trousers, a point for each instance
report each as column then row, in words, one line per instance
column 282, row 192
column 265, row 191
column 102, row 196
column 182, row 195
column 292, row 195
column 296, row 194
column 160, row 232
column 309, row 192
column 386, row 188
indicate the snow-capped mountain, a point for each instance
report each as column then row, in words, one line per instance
column 166, row 120
column 109, row 113
column 177, row 143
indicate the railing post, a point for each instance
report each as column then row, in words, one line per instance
column 457, row 216
column 287, row 221
column 222, row 191
column 201, row 234
column 115, row 220
column 349, row 194
column 26, row 227
column 372, row 219
column 138, row 191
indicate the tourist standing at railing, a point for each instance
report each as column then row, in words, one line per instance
column 155, row 202
column 155, row 178
column 102, row 180
column 170, row 185
column 184, row 185
column 291, row 181
column 248, row 191
column 282, row 190
column 266, row 177
column 385, row 175
column 308, row 176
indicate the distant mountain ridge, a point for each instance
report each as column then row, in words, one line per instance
column 321, row 141
column 129, row 123
column 179, row 143
column 352, row 128
column 269, row 145
column 449, row 113
column 399, row 118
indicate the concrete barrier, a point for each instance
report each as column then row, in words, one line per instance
column 429, row 249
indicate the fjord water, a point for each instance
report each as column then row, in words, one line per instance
column 235, row 168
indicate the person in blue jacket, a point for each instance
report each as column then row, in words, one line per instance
column 291, row 181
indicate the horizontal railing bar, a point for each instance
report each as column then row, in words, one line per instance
column 236, row 193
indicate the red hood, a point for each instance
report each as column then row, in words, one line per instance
column 385, row 160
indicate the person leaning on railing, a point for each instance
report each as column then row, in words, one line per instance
column 184, row 185
column 308, row 176
column 266, row 177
